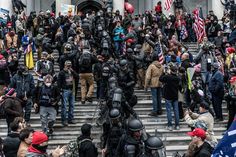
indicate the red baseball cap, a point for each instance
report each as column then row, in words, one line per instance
column 39, row 137
column 198, row 132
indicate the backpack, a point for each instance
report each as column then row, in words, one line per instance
column 85, row 60
column 3, row 64
column 73, row 148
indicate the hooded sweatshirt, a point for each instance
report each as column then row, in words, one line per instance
column 153, row 74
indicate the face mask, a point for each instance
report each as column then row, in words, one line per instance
column 48, row 84
column 42, row 149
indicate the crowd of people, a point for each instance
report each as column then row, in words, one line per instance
column 118, row 53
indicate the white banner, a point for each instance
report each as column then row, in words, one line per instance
column 67, row 9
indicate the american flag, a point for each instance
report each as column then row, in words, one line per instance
column 199, row 25
column 168, row 4
column 227, row 145
column 159, row 53
column 183, row 33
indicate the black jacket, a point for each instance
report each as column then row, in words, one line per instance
column 127, row 140
column 86, row 147
column 53, row 94
column 63, row 77
column 171, row 86
column 204, row 151
column 23, row 84
column 11, row 145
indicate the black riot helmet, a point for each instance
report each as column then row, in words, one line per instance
column 137, row 48
column 129, row 51
column 155, row 146
column 112, row 82
column 114, row 113
column 135, row 125
column 124, row 65
column 117, row 98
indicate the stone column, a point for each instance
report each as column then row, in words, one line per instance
column 58, row 5
column 30, row 6
column 6, row 4
column 37, row 6
column 218, row 8
column 119, row 5
column 148, row 5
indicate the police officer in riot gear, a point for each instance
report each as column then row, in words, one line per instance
column 117, row 100
column 130, row 59
column 126, row 81
column 154, row 147
column 131, row 143
column 106, row 72
column 99, row 19
column 112, row 131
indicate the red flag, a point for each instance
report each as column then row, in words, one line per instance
column 199, row 24
column 168, row 4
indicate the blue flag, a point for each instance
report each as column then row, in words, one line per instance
column 227, row 145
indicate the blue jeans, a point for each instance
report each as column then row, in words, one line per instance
column 156, row 99
column 174, row 104
column 67, row 96
column 118, row 48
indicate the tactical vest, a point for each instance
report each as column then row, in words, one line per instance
column 114, row 137
column 45, row 96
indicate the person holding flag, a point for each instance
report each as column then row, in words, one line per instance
column 227, row 145
column 199, row 24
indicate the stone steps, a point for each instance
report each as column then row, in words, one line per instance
column 176, row 140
